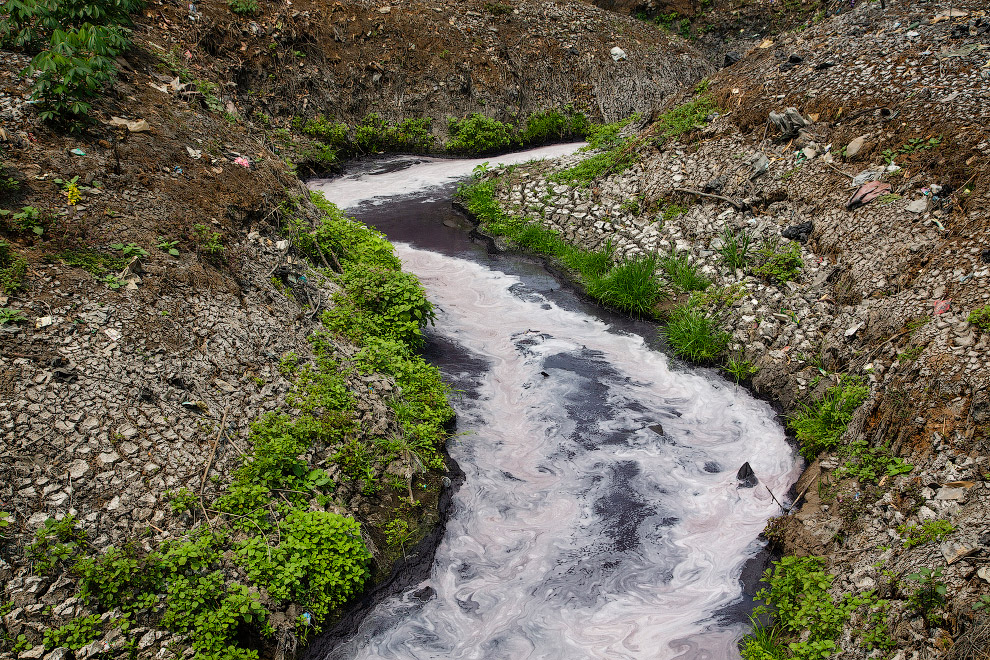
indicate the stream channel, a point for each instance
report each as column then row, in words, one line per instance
column 579, row 530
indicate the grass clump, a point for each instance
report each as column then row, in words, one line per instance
column 735, row 248
column 633, row 285
column 980, row 317
column 682, row 273
column 478, row 134
column 740, row 369
column 695, row 335
column 376, row 135
column 820, row 425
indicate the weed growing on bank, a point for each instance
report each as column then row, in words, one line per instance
column 819, row 426
column 807, row 619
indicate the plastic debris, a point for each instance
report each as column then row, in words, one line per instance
column 77, row 152
column 760, row 164
column 195, row 154
column 44, row 322
column 617, row 54
column 867, row 193
column 863, row 177
column 113, row 334
column 243, row 162
column 788, row 122
column 942, row 306
column 747, row 478
column 135, row 126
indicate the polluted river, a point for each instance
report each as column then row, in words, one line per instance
column 600, row 514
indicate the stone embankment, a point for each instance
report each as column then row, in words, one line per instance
column 884, row 296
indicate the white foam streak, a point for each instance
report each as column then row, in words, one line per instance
column 579, row 532
column 427, row 174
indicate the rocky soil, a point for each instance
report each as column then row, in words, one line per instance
column 884, row 294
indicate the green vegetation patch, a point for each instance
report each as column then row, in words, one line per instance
column 479, row 135
column 777, row 264
column 820, row 425
column 555, row 126
column 980, row 317
column 94, row 262
column 684, row 118
column 807, row 618
column 695, row 335
column 930, row 531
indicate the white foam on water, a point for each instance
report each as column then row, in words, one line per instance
column 578, row 532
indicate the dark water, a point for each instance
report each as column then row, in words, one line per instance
column 583, row 529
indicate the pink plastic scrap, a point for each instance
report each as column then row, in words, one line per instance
column 866, row 193
column 942, row 306
column 242, row 161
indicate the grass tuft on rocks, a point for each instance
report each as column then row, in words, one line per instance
column 694, row 335
column 819, row 426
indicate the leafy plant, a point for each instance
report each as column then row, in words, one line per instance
column 243, row 6
column 799, row 599
column 130, row 249
column 819, row 426
column 9, row 315
column 75, row 634
column 113, row 281
column 930, row 531
column 869, row 464
column 929, row 596
column 694, row 335
column 166, row 245
column 779, row 265
column 182, row 500
column 208, row 241
column 55, row 542
column 27, row 219
column 12, row 271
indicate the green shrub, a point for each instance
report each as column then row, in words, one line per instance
column 478, row 135
column 683, row 118
column 55, row 544
column 335, row 135
column 243, row 6
column 376, row 135
column 27, row 23
column 694, row 335
column 980, row 317
column 819, row 426
column 342, row 239
column 779, row 265
column 682, row 273
column 84, row 38
column 320, row 562
column 799, row 599
column 606, row 136
column 380, row 303
column 554, row 126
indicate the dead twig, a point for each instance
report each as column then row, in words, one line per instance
column 209, row 464
column 739, row 205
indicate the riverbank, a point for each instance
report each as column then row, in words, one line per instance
column 862, row 321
